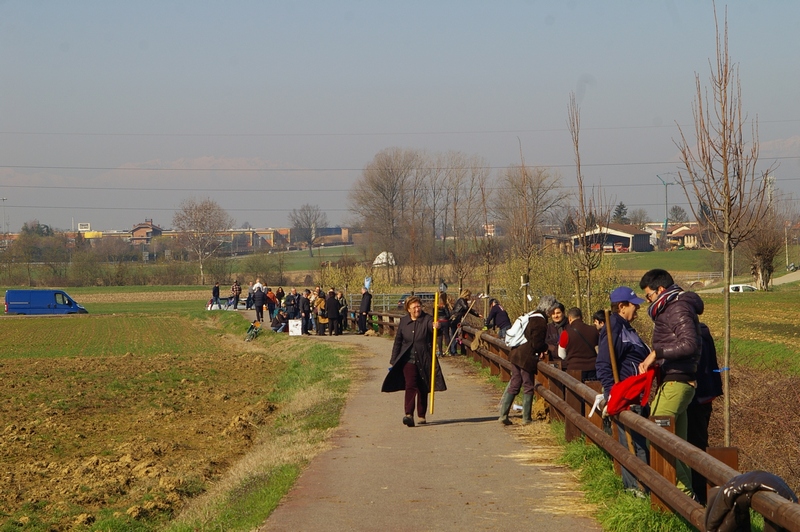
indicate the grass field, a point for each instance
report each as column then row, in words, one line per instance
column 142, row 411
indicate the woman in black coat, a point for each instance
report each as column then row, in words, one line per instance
column 332, row 307
column 411, row 361
column 259, row 299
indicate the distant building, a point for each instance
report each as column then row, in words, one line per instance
column 144, row 233
column 617, row 237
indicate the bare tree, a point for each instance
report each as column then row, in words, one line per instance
column 768, row 242
column 465, row 178
column 677, row 214
column 201, row 224
column 526, row 197
column 720, row 178
column 592, row 216
column 639, row 217
column 379, row 199
column 306, row 222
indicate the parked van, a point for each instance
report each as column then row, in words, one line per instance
column 41, row 302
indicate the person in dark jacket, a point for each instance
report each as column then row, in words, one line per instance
column 554, row 329
column 215, row 296
column 291, row 302
column 279, row 295
column 460, row 309
column 364, row 308
column 280, row 321
column 677, row 346
column 629, row 351
column 498, row 318
column 332, row 307
column 525, row 359
column 343, row 311
column 259, row 300
column 709, row 387
column 412, row 355
column 577, row 346
column 304, row 311
column 445, row 310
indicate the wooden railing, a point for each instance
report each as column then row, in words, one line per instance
column 572, row 400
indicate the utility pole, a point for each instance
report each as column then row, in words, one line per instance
column 666, row 208
column 5, row 225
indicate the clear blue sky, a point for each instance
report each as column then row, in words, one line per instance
column 276, row 104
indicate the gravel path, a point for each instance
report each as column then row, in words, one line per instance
column 461, row 471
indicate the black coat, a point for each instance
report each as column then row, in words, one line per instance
column 417, row 335
column 259, row 298
column 366, row 302
column 526, row 356
column 332, row 307
column 304, row 305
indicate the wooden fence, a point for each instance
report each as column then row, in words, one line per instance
column 571, row 401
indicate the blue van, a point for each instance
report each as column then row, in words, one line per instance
column 41, row 302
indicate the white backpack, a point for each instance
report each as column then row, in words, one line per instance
column 515, row 336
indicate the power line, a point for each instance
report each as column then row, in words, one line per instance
column 359, row 134
column 273, row 189
column 444, row 168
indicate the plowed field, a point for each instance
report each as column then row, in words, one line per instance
column 122, row 414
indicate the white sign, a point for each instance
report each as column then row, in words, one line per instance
column 295, row 327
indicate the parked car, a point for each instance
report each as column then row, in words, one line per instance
column 739, row 288
column 427, row 299
column 41, row 302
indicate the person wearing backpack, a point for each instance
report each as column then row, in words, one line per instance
column 524, row 358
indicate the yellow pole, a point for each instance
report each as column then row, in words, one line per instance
column 433, row 354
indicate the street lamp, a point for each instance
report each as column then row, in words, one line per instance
column 666, row 207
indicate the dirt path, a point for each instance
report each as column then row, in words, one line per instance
column 461, row 471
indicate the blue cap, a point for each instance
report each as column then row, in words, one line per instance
column 624, row 293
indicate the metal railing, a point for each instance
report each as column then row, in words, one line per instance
column 572, row 400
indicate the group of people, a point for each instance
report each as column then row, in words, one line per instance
column 682, row 358
column 316, row 309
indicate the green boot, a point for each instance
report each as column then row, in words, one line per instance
column 527, row 403
column 505, row 406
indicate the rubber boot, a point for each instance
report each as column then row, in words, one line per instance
column 527, row 403
column 505, row 406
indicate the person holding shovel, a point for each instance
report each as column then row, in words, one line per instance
column 629, row 351
column 412, row 357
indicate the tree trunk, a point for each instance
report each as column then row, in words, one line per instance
column 727, row 268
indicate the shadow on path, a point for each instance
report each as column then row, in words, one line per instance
column 475, row 475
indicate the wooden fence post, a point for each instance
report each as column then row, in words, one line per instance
column 558, row 389
column 571, row 431
column 662, row 461
column 597, row 417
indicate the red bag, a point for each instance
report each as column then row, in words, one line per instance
column 632, row 390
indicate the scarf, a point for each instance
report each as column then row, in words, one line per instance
column 667, row 296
